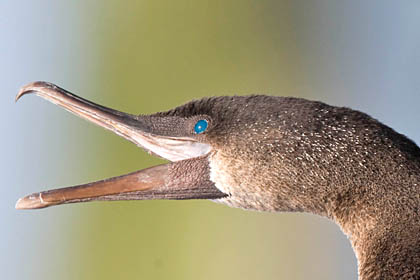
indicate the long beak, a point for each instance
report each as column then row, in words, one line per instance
column 184, row 179
column 123, row 124
column 187, row 179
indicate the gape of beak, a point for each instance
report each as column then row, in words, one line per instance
column 187, row 177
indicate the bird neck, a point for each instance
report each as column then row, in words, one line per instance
column 375, row 200
column 383, row 225
column 386, row 247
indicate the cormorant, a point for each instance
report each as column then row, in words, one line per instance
column 270, row 154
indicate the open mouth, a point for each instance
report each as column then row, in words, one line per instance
column 186, row 177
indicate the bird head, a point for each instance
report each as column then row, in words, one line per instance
column 220, row 148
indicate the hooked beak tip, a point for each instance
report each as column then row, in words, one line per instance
column 32, row 87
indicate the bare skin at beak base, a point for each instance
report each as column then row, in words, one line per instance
column 184, row 179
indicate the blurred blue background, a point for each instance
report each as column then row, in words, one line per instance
column 147, row 56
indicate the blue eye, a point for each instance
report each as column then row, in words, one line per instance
column 200, row 126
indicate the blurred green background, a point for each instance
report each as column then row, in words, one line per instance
column 148, row 56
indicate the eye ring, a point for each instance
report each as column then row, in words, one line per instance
column 201, row 126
